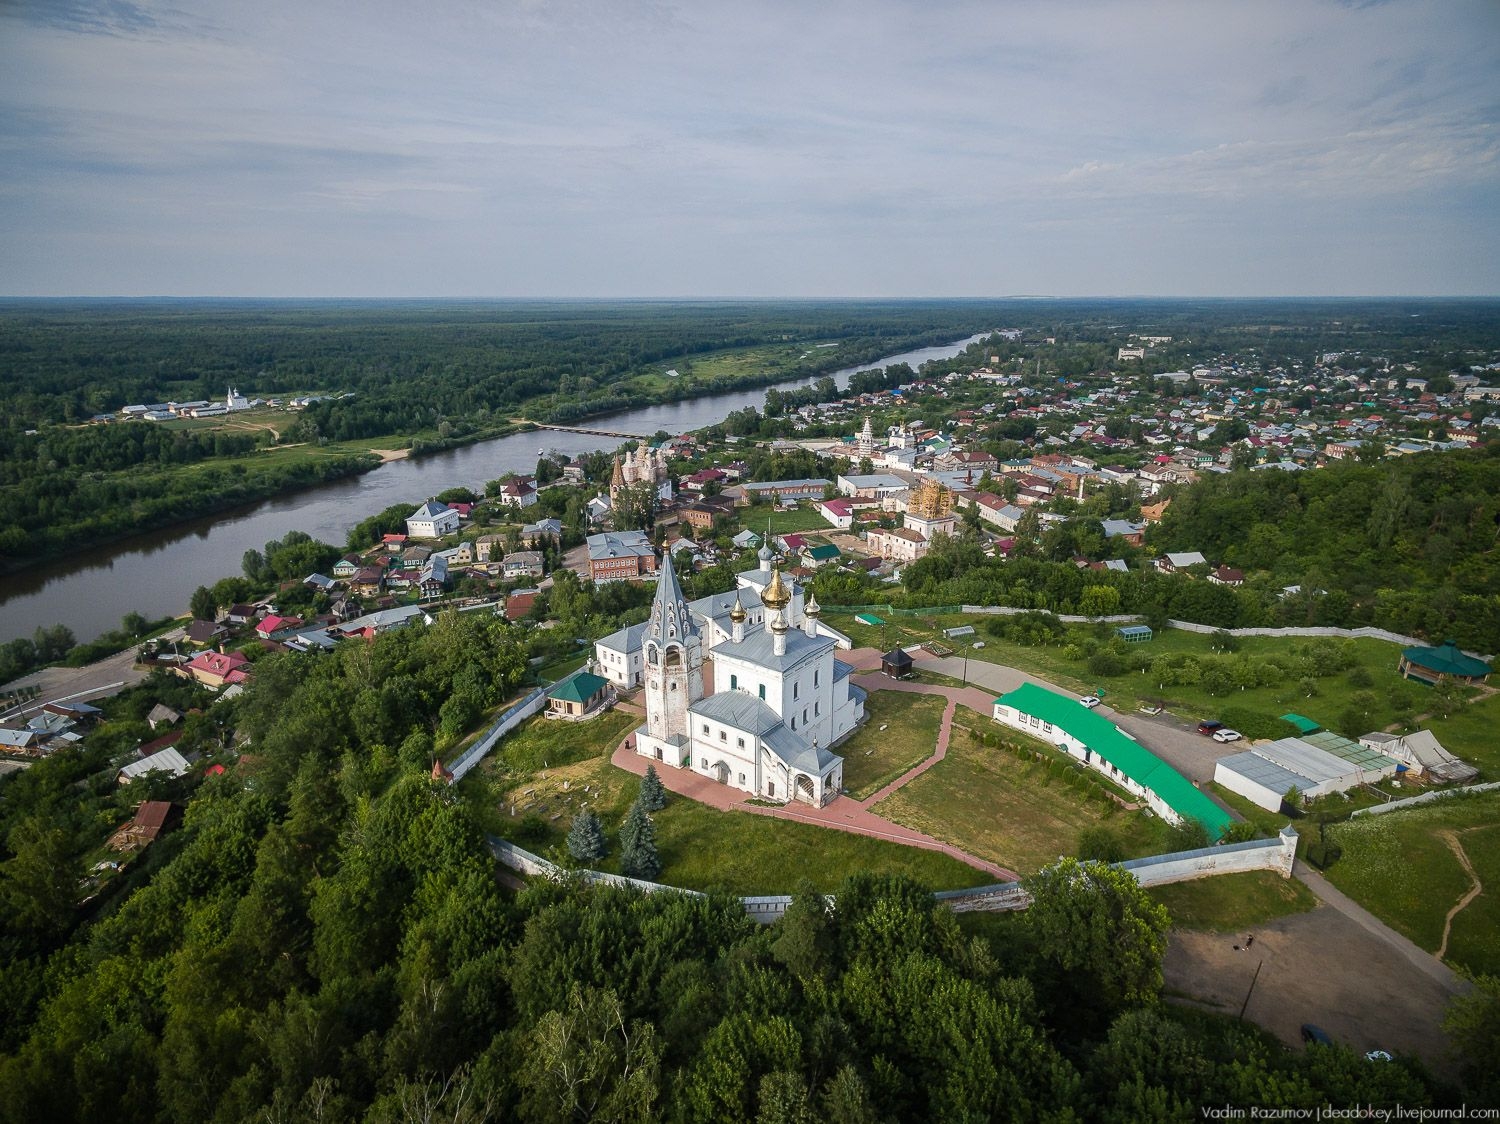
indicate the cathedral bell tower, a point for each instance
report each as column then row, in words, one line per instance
column 673, row 654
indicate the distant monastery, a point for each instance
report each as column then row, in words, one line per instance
column 773, row 703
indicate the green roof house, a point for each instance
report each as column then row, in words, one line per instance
column 1100, row 744
column 1433, row 665
column 577, row 694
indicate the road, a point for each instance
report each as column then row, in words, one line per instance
column 1173, row 740
column 80, row 684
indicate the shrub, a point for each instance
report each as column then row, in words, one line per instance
column 1108, row 663
column 1100, row 843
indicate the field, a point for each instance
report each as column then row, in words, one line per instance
column 515, row 796
column 1471, row 733
column 757, row 516
column 900, row 731
column 1401, row 867
column 1233, row 902
column 1011, row 812
column 1466, row 734
column 719, row 370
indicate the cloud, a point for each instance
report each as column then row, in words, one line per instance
column 719, row 145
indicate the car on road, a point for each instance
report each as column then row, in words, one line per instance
column 1315, row 1035
column 1090, row 701
column 1206, row 728
column 1226, row 735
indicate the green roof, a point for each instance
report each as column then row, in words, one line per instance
column 1130, row 757
column 868, row 618
column 580, row 688
column 1305, row 725
column 823, row 552
column 1447, row 660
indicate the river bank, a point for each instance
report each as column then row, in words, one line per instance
column 87, row 589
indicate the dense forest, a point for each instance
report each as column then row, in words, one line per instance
column 324, row 938
column 427, row 374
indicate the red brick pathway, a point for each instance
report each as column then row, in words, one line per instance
column 845, row 813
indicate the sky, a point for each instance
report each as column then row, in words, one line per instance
column 833, row 148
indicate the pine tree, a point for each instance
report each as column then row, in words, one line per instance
column 653, row 793
column 638, row 857
column 586, row 838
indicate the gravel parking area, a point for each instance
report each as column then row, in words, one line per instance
column 1318, row 967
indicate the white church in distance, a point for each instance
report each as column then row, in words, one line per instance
column 775, row 702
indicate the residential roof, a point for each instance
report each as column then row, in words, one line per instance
column 823, row 552
column 1446, row 659
column 618, row 544
column 1129, row 756
column 578, row 688
column 168, row 760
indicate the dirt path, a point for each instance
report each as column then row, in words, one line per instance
column 1451, row 838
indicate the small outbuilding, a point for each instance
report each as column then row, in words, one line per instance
column 1433, row 665
column 576, row 695
column 897, row 664
column 1134, row 633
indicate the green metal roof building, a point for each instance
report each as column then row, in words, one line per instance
column 1101, row 744
column 577, row 693
column 1432, row 665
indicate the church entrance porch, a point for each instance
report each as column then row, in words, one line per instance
column 721, row 773
column 804, row 789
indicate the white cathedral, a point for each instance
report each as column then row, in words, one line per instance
column 776, row 700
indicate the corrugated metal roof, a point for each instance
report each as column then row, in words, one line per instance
column 1265, row 773
column 1129, row 756
column 1354, row 753
column 1299, row 756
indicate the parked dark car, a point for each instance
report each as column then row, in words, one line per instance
column 1207, row 728
column 1315, row 1035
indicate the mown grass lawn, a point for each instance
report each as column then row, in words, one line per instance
column 744, row 853
column 902, row 631
column 1399, row 868
column 1014, row 813
column 1333, row 694
column 756, row 517
column 552, row 672
column 1475, row 939
column 515, row 797
column 1470, row 733
column 1233, row 902
column 900, row 731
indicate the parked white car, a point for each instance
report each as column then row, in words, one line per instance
column 1227, row 735
column 1090, row 701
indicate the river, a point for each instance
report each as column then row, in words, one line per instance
column 155, row 573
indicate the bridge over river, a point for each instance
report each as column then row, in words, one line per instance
column 592, row 432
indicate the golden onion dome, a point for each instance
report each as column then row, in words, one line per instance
column 737, row 614
column 776, row 595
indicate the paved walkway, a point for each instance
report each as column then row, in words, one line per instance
column 843, row 814
column 970, row 697
column 1418, row 957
